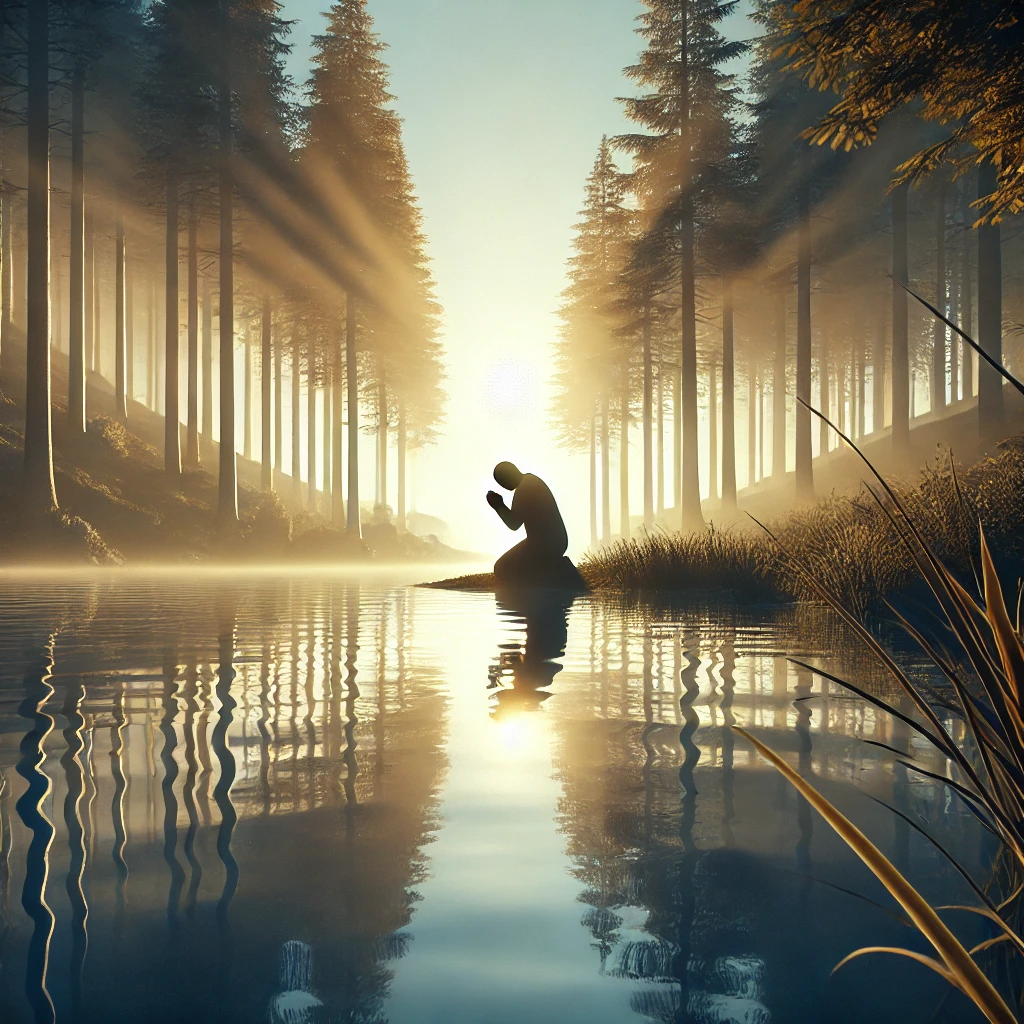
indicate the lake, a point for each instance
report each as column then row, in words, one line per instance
column 249, row 797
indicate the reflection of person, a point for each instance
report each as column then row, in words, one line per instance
column 534, row 507
column 533, row 664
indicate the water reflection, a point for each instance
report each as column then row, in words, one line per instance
column 30, row 808
column 527, row 666
column 236, row 778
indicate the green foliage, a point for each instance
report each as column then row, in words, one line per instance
column 957, row 65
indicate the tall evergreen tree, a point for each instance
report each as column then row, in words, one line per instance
column 588, row 349
column 686, row 107
column 39, row 493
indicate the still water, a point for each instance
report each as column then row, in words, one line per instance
column 322, row 798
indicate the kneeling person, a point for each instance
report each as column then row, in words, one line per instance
column 534, row 507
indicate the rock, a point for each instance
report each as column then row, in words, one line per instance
column 560, row 575
column 547, row 575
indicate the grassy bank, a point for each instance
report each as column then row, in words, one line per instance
column 117, row 505
column 847, row 543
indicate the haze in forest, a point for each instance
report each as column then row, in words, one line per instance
column 596, row 240
column 501, row 104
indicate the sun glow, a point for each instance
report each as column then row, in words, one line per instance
column 519, row 732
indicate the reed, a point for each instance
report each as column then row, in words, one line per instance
column 984, row 667
column 847, row 543
column 714, row 560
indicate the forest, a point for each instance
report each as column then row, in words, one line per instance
column 756, row 245
column 185, row 228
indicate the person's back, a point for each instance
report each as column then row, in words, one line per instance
column 535, row 506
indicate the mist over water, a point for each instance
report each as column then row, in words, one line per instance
column 268, row 797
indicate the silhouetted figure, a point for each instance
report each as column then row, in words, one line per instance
column 538, row 560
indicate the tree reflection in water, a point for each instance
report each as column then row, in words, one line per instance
column 263, row 860
column 264, row 759
column 702, row 876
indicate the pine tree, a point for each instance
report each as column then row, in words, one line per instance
column 587, row 348
column 353, row 147
column 687, row 109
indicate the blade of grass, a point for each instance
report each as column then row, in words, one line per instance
column 955, row 958
column 928, row 961
column 994, row 363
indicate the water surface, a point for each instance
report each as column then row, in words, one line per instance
column 464, row 810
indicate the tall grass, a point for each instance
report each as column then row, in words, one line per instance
column 984, row 666
column 848, row 544
column 713, row 560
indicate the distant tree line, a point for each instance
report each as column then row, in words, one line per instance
column 755, row 248
column 180, row 228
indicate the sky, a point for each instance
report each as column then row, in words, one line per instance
column 504, row 105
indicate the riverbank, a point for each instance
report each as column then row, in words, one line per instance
column 844, row 543
column 119, row 506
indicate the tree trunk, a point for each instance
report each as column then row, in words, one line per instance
column 266, row 410
column 859, row 424
column 593, row 481
column 325, row 435
column 247, row 396
column 311, row 426
column 804, row 467
column 677, row 439
column 692, row 518
column 129, row 330
column 648, row 420
column 76, row 287
column 337, row 440
column 97, row 290
column 172, row 442
column 660, row 476
column 6, row 271
column 751, row 426
column 352, row 382
column 192, row 401
column 990, row 312
column 6, row 276
column 278, row 412
column 900, row 342
column 296, row 420
column 56, row 327
column 714, row 459
column 938, row 374
column 120, row 352
column 625, row 529
column 91, row 342
column 401, row 467
column 954, row 348
column 151, row 345
column 382, row 439
column 207, row 360
column 227, row 482
column 39, row 494
column 779, row 389
column 967, row 292
column 824, row 391
column 606, row 485
column 878, row 374
column 728, row 402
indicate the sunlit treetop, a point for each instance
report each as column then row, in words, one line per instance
column 955, row 64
